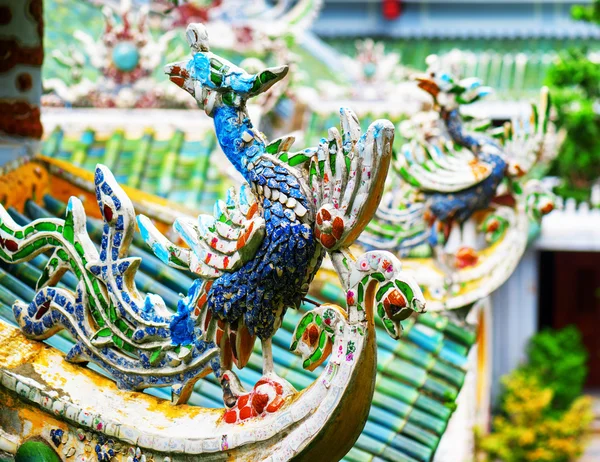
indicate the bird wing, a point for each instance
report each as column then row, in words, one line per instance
column 398, row 224
column 217, row 244
column 346, row 177
column 527, row 140
column 437, row 165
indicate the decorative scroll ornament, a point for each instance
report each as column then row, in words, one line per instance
column 125, row 56
column 233, row 24
column 254, row 258
column 374, row 81
column 461, row 204
column 244, row 26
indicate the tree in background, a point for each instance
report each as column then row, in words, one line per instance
column 542, row 414
column 575, row 82
column 528, row 431
column 559, row 361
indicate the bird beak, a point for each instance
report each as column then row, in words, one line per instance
column 179, row 75
column 425, row 82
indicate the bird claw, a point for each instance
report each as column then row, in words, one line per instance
column 267, row 396
column 232, row 388
column 286, row 389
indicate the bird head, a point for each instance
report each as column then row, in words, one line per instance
column 214, row 81
column 449, row 92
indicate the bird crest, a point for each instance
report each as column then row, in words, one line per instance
column 208, row 77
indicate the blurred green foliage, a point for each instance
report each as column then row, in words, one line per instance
column 542, row 415
column 575, row 82
column 590, row 13
column 528, row 431
column 558, row 359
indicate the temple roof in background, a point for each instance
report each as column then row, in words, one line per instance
column 508, row 44
column 463, row 19
column 173, row 165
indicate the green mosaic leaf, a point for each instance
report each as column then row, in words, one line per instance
column 104, row 332
column 378, row 276
column 154, row 356
column 273, row 148
column 112, row 313
column 45, row 226
column 68, row 231
column 298, row 159
column 382, row 290
column 36, row 451
column 406, row 290
column 118, row 341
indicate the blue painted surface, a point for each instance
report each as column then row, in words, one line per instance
column 235, row 78
column 182, row 325
column 461, row 205
column 229, row 126
column 272, row 281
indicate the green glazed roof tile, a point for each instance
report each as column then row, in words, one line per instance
column 358, row 455
column 433, row 407
column 448, row 373
column 175, row 168
column 417, row 433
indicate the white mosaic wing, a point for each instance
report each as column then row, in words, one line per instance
column 440, row 167
column 219, row 243
column 346, row 176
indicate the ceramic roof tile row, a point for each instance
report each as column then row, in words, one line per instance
column 418, row 377
column 176, row 168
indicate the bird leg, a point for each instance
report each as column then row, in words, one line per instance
column 440, row 255
column 232, row 388
column 230, row 383
column 269, row 370
column 454, row 241
column 267, row 354
column 441, row 259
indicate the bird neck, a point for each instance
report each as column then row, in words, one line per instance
column 459, row 135
column 240, row 142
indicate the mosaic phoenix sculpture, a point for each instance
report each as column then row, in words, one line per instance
column 464, row 192
column 254, row 259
